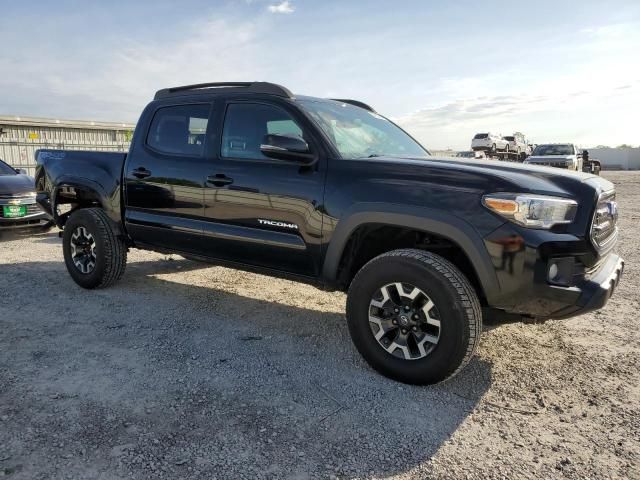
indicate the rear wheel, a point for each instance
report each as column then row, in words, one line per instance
column 94, row 255
column 414, row 316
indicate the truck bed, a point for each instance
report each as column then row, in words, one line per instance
column 67, row 173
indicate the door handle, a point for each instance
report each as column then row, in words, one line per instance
column 141, row 172
column 219, row 180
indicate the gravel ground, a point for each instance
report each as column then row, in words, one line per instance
column 188, row 371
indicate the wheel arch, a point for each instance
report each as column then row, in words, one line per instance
column 417, row 219
column 81, row 193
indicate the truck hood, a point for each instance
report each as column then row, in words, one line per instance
column 487, row 176
column 16, row 184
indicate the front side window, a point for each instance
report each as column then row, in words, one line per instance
column 179, row 130
column 359, row 133
column 246, row 124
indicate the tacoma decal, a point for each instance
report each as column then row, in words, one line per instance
column 275, row 223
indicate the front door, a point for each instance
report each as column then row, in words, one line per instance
column 165, row 175
column 260, row 211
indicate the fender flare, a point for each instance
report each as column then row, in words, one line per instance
column 86, row 185
column 424, row 219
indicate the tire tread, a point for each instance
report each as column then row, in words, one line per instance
column 115, row 249
column 466, row 293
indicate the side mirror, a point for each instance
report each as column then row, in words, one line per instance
column 21, row 171
column 286, row 147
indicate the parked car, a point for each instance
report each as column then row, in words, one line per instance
column 331, row 193
column 518, row 145
column 559, row 155
column 18, row 207
column 489, row 142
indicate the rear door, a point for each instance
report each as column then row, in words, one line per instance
column 261, row 211
column 165, row 175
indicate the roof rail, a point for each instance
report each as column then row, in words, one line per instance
column 357, row 103
column 253, row 87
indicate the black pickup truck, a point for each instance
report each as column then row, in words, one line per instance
column 331, row 193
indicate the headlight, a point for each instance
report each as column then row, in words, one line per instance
column 533, row 211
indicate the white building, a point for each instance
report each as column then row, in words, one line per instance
column 20, row 137
column 616, row 158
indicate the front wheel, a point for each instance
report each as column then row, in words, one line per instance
column 414, row 316
column 94, row 255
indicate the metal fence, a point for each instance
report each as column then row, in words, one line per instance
column 20, row 138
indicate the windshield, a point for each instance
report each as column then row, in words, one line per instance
column 481, row 135
column 359, row 133
column 543, row 150
column 6, row 169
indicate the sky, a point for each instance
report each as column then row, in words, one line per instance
column 559, row 71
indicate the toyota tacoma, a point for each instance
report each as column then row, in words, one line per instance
column 331, row 193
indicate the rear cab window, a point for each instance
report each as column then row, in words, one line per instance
column 179, row 129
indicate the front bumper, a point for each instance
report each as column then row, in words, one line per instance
column 591, row 293
column 522, row 258
column 36, row 217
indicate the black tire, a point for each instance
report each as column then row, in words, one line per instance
column 110, row 249
column 456, row 301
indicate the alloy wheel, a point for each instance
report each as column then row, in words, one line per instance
column 83, row 250
column 404, row 321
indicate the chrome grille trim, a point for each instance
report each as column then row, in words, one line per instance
column 562, row 164
column 604, row 225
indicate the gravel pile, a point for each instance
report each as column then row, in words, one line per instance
column 183, row 370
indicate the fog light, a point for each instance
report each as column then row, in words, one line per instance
column 553, row 272
column 560, row 271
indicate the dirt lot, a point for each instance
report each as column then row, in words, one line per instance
column 189, row 371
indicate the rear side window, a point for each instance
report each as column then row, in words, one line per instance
column 246, row 124
column 179, row 130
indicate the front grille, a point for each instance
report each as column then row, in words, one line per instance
column 17, row 196
column 552, row 164
column 605, row 219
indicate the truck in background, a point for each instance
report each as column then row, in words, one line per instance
column 559, row 155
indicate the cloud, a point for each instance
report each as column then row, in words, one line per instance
column 118, row 84
column 564, row 90
column 282, row 7
column 598, row 115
